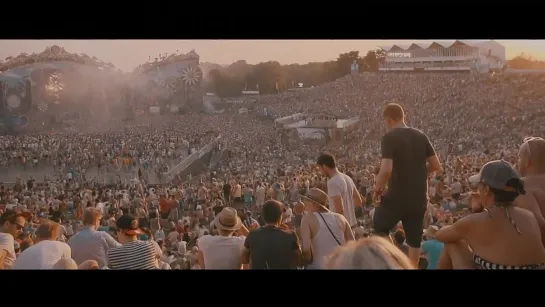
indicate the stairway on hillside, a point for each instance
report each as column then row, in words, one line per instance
column 216, row 158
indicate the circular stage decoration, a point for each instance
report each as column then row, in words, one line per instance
column 191, row 75
column 43, row 106
column 13, row 101
column 23, row 121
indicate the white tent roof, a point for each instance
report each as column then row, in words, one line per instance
column 444, row 44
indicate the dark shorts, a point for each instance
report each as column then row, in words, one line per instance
column 388, row 214
column 456, row 196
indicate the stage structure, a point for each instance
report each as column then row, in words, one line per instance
column 315, row 128
column 457, row 56
column 52, row 87
column 172, row 82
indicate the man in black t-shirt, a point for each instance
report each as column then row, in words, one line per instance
column 407, row 159
column 273, row 246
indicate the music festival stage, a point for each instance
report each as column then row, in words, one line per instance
column 316, row 128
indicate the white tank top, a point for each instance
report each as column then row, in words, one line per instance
column 323, row 242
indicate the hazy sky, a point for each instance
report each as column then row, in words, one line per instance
column 127, row 54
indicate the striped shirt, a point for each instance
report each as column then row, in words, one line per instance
column 134, row 255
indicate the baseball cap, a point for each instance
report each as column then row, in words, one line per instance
column 498, row 174
column 128, row 224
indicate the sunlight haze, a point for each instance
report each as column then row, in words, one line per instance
column 127, row 54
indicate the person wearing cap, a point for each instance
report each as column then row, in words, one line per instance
column 431, row 247
column 408, row 158
column 134, row 254
column 503, row 236
column 322, row 230
column 531, row 165
column 222, row 252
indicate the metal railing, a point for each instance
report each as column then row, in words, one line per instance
column 180, row 167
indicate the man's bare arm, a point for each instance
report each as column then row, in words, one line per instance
column 529, row 202
column 386, row 166
column 200, row 259
column 245, row 256
column 456, row 232
column 348, row 233
column 297, row 252
column 357, row 198
column 243, row 231
column 338, row 204
column 3, row 254
column 433, row 164
column 306, row 238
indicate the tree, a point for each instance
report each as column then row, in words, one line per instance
column 344, row 62
column 222, row 84
column 523, row 61
column 373, row 59
column 229, row 81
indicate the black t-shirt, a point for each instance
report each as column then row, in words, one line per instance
column 226, row 189
column 409, row 149
column 57, row 215
column 217, row 209
column 272, row 248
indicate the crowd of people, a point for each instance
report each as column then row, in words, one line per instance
column 265, row 205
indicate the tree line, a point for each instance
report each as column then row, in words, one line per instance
column 271, row 77
column 523, row 61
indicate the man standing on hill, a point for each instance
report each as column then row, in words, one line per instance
column 407, row 159
column 531, row 165
column 341, row 190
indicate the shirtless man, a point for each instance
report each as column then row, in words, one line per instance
column 531, row 166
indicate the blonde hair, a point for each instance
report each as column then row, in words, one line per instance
column 374, row 253
column 91, row 215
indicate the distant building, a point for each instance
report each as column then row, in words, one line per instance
column 470, row 56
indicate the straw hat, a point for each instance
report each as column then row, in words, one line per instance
column 228, row 219
column 317, row 197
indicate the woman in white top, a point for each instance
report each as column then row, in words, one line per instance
column 222, row 252
column 321, row 230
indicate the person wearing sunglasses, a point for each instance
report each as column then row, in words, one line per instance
column 503, row 236
column 531, row 165
column 12, row 224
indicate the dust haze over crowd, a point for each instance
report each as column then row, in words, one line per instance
column 84, row 141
